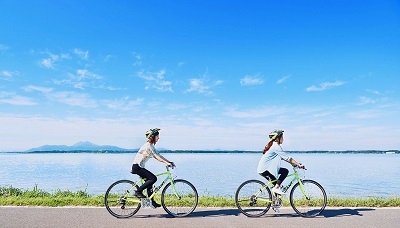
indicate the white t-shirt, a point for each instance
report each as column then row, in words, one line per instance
column 271, row 160
column 145, row 152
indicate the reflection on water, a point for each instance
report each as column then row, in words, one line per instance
column 342, row 175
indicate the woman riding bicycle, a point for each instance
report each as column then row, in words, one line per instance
column 146, row 152
column 269, row 165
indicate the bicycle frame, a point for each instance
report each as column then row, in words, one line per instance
column 156, row 189
column 270, row 184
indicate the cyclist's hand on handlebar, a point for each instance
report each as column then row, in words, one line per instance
column 300, row 166
column 171, row 165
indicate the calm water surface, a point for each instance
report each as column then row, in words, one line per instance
column 342, row 175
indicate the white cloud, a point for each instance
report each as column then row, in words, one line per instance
column 53, row 58
column 124, row 104
column 8, row 75
column 48, row 63
column 255, row 113
column 376, row 92
column 82, row 54
column 14, row 99
column 366, row 100
column 199, row 85
column 251, row 80
column 325, row 85
column 366, row 114
column 176, row 107
column 83, row 78
column 218, row 82
column 282, row 80
column 138, row 60
column 155, row 80
column 31, row 88
column 108, row 58
column 111, row 88
column 74, row 99
column 20, row 132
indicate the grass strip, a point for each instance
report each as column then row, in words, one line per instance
column 10, row 196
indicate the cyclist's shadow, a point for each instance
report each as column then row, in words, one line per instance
column 341, row 212
column 216, row 212
column 327, row 213
column 199, row 213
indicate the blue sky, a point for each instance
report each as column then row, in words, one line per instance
column 210, row 74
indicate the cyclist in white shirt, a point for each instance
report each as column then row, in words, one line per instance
column 269, row 165
column 146, row 152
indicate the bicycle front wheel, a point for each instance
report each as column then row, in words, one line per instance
column 119, row 201
column 253, row 199
column 180, row 198
column 311, row 202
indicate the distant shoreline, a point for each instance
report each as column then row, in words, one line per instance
column 205, row 152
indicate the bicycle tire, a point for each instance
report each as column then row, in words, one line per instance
column 246, row 201
column 117, row 204
column 313, row 204
column 185, row 204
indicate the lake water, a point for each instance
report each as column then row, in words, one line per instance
column 342, row 175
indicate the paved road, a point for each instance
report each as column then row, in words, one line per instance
column 202, row 217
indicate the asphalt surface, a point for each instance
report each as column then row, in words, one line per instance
column 202, row 217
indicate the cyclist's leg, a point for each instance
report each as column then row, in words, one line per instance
column 146, row 174
column 268, row 176
column 282, row 175
column 283, row 172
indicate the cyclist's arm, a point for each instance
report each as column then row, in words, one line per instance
column 163, row 160
column 294, row 162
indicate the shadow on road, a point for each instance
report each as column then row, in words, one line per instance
column 209, row 213
column 327, row 213
column 216, row 213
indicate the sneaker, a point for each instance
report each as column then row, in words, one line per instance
column 278, row 191
column 155, row 204
column 139, row 194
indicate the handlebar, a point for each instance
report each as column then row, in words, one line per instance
column 170, row 166
column 297, row 167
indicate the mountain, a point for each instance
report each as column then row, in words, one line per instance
column 80, row 146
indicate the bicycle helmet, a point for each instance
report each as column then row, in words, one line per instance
column 152, row 132
column 275, row 134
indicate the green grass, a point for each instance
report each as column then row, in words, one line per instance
column 37, row 197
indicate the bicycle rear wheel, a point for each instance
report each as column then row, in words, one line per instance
column 252, row 199
column 181, row 202
column 310, row 203
column 119, row 201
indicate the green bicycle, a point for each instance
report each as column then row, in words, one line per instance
column 307, row 197
column 179, row 198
